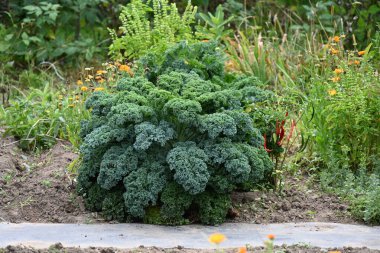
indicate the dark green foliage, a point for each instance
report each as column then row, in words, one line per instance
column 175, row 201
column 117, row 162
column 176, row 146
column 94, row 198
column 113, row 207
column 143, row 186
column 190, row 166
column 213, row 207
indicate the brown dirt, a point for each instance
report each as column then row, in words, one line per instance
column 58, row 248
column 37, row 188
column 298, row 202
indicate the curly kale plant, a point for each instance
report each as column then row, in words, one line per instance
column 172, row 149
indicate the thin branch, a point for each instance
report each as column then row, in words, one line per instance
column 55, row 69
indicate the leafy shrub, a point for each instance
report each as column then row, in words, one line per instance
column 37, row 31
column 176, row 146
column 141, row 35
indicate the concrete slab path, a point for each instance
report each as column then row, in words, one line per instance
column 192, row 236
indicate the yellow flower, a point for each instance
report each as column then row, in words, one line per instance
column 79, row 82
column 101, row 80
column 334, row 51
column 338, row 71
column 216, row 238
column 336, row 39
column 71, row 105
column 70, row 99
column 335, row 79
column 332, row 92
column 100, row 72
column 360, row 53
column 90, row 77
column 83, row 88
column 60, row 97
column 77, row 97
column 99, row 89
column 87, row 80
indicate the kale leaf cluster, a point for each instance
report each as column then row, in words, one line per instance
column 169, row 145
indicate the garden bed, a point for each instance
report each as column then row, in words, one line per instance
column 38, row 188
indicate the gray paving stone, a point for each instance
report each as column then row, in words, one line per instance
column 191, row 236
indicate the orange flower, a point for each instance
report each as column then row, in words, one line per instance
column 101, row 80
column 99, row 89
column 332, row 92
column 242, row 250
column 336, row 39
column 125, row 68
column 79, row 82
column 338, row 71
column 205, row 40
column 335, row 79
column 360, row 53
column 83, row 88
column 271, row 236
column 335, row 251
column 356, row 62
column 216, row 238
column 334, row 51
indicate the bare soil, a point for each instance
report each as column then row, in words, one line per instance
column 298, row 202
column 38, row 188
column 58, row 248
